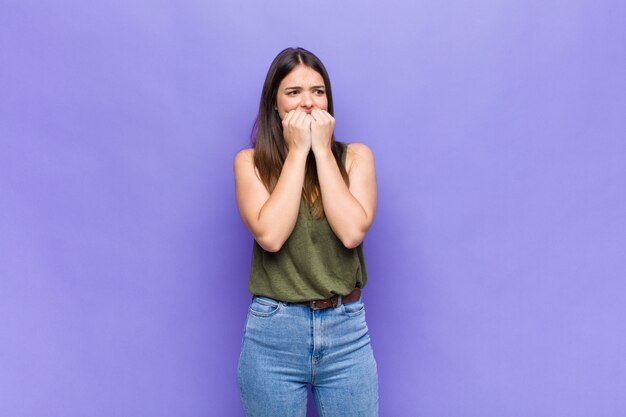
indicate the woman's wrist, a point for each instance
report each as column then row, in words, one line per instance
column 298, row 154
column 322, row 151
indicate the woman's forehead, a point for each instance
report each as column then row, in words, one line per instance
column 302, row 76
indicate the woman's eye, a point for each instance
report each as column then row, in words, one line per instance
column 292, row 93
column 319, row 92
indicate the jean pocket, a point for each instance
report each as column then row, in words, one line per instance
column 264, row 306
column 353, row 309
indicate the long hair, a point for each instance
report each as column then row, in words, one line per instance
column 267, row 134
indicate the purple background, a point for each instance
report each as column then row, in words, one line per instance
column 497, row 260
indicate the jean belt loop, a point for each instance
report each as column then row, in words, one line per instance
column 338, row 301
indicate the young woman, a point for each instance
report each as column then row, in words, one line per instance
column 308, row 201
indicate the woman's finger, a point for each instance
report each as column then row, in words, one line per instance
column 287, row 117
column 299, row 118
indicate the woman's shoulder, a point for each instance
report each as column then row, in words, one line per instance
column 244, row 160
column 359, row 148
column 357, row 153
column 244, row 155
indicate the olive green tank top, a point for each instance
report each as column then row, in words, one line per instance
column 312, row 264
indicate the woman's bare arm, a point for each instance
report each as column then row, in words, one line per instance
column 270, row 218
column 349, row 210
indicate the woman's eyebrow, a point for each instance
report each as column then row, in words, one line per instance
column 298, row 87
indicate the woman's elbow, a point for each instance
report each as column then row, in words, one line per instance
column 355, row 237
column 351, row 242
column 270, row 244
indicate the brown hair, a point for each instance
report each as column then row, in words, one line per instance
column 267, row 134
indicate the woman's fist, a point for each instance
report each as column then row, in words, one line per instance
column 322, row 128
column 297, row 131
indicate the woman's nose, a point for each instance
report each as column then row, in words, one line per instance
column 307, row 100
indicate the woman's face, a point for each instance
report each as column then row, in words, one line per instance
column 303, row 88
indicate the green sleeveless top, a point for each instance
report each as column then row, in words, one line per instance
column 312, row 264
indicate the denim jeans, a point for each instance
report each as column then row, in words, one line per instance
column 287, row 346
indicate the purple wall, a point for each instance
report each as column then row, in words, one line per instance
column 497, row 261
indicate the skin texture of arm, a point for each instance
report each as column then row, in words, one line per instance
column 349, row 211
column 270, row 218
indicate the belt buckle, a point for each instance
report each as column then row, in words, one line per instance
column 334, row 301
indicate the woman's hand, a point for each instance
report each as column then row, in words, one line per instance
column 297, row 132
column 322, row 129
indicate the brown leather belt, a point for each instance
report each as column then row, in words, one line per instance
column 333, row 301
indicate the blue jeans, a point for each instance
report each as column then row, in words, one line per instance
column 287, row 346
